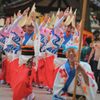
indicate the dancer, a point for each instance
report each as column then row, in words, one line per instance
column 64, row 82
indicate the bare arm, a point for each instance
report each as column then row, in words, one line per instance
column 91, row 54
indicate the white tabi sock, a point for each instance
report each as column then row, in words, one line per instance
column 1, row 82
column 31, row 96
column 27, row 98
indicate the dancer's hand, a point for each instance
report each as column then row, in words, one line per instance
column 19, row 13
column 12, row 20
column 49, row 20
column 26, row 11
column 79, row 25
column 66, row 13
column 60, row 15
column 78, row 67
column 7, row 22
column 46, row 18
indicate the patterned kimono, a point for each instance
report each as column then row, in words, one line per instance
column 85, row 53
column 26, row 74
column 64, row 41
column 64, row 83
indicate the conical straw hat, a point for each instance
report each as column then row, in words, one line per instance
column 29, row 20
column 23, row 21
column 15, row 17
column 69, row 16
column 72, row 21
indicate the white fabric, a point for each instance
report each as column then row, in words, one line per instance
column 15, row 24
column 31, row 96
column 90, row 91
column 75, row 32
column 59, row 62
column 57, row 25
column 9, row 28
column 46, row 26
column 41, row 25
column 3, row 28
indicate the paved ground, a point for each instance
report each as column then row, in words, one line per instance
column 6, row 93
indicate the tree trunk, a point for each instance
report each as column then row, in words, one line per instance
column 87, row 16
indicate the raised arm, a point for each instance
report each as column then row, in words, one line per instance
column 41, row 25
column 61, row 18
column 48, row 22
column 33, row 17
column 8, row 29
column 15, row 24
column 77, row 33
column 5, row 26
column 45, row 20
column 59, row 21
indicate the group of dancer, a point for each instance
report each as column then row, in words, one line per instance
column 46, row 55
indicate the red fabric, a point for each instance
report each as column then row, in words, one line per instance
column 36, row 78
column 41, row 70
column 14, row 72
column 84, row 37
column 39, row 74
column 23, row 86
column 3, row 74
column 55, row 72
column 1, row 66
column 49, row 71
column 8, row 72
column 63, row 73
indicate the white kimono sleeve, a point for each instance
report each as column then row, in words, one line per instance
column 62, row 28
column 41, row 25
column 46, row 26
column 3, row 28
column 75, row 32
column 15, row 24
column 60, row 83
column 9, row 28
column 36, row 29
column 89, row 91
column 58, row 23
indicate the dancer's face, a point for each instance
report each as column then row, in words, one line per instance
column 69, row 30
column 25, row 28
column 71, row 54
column 30, row 29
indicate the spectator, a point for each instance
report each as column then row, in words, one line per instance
column 96, row 52
column 86, row 50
